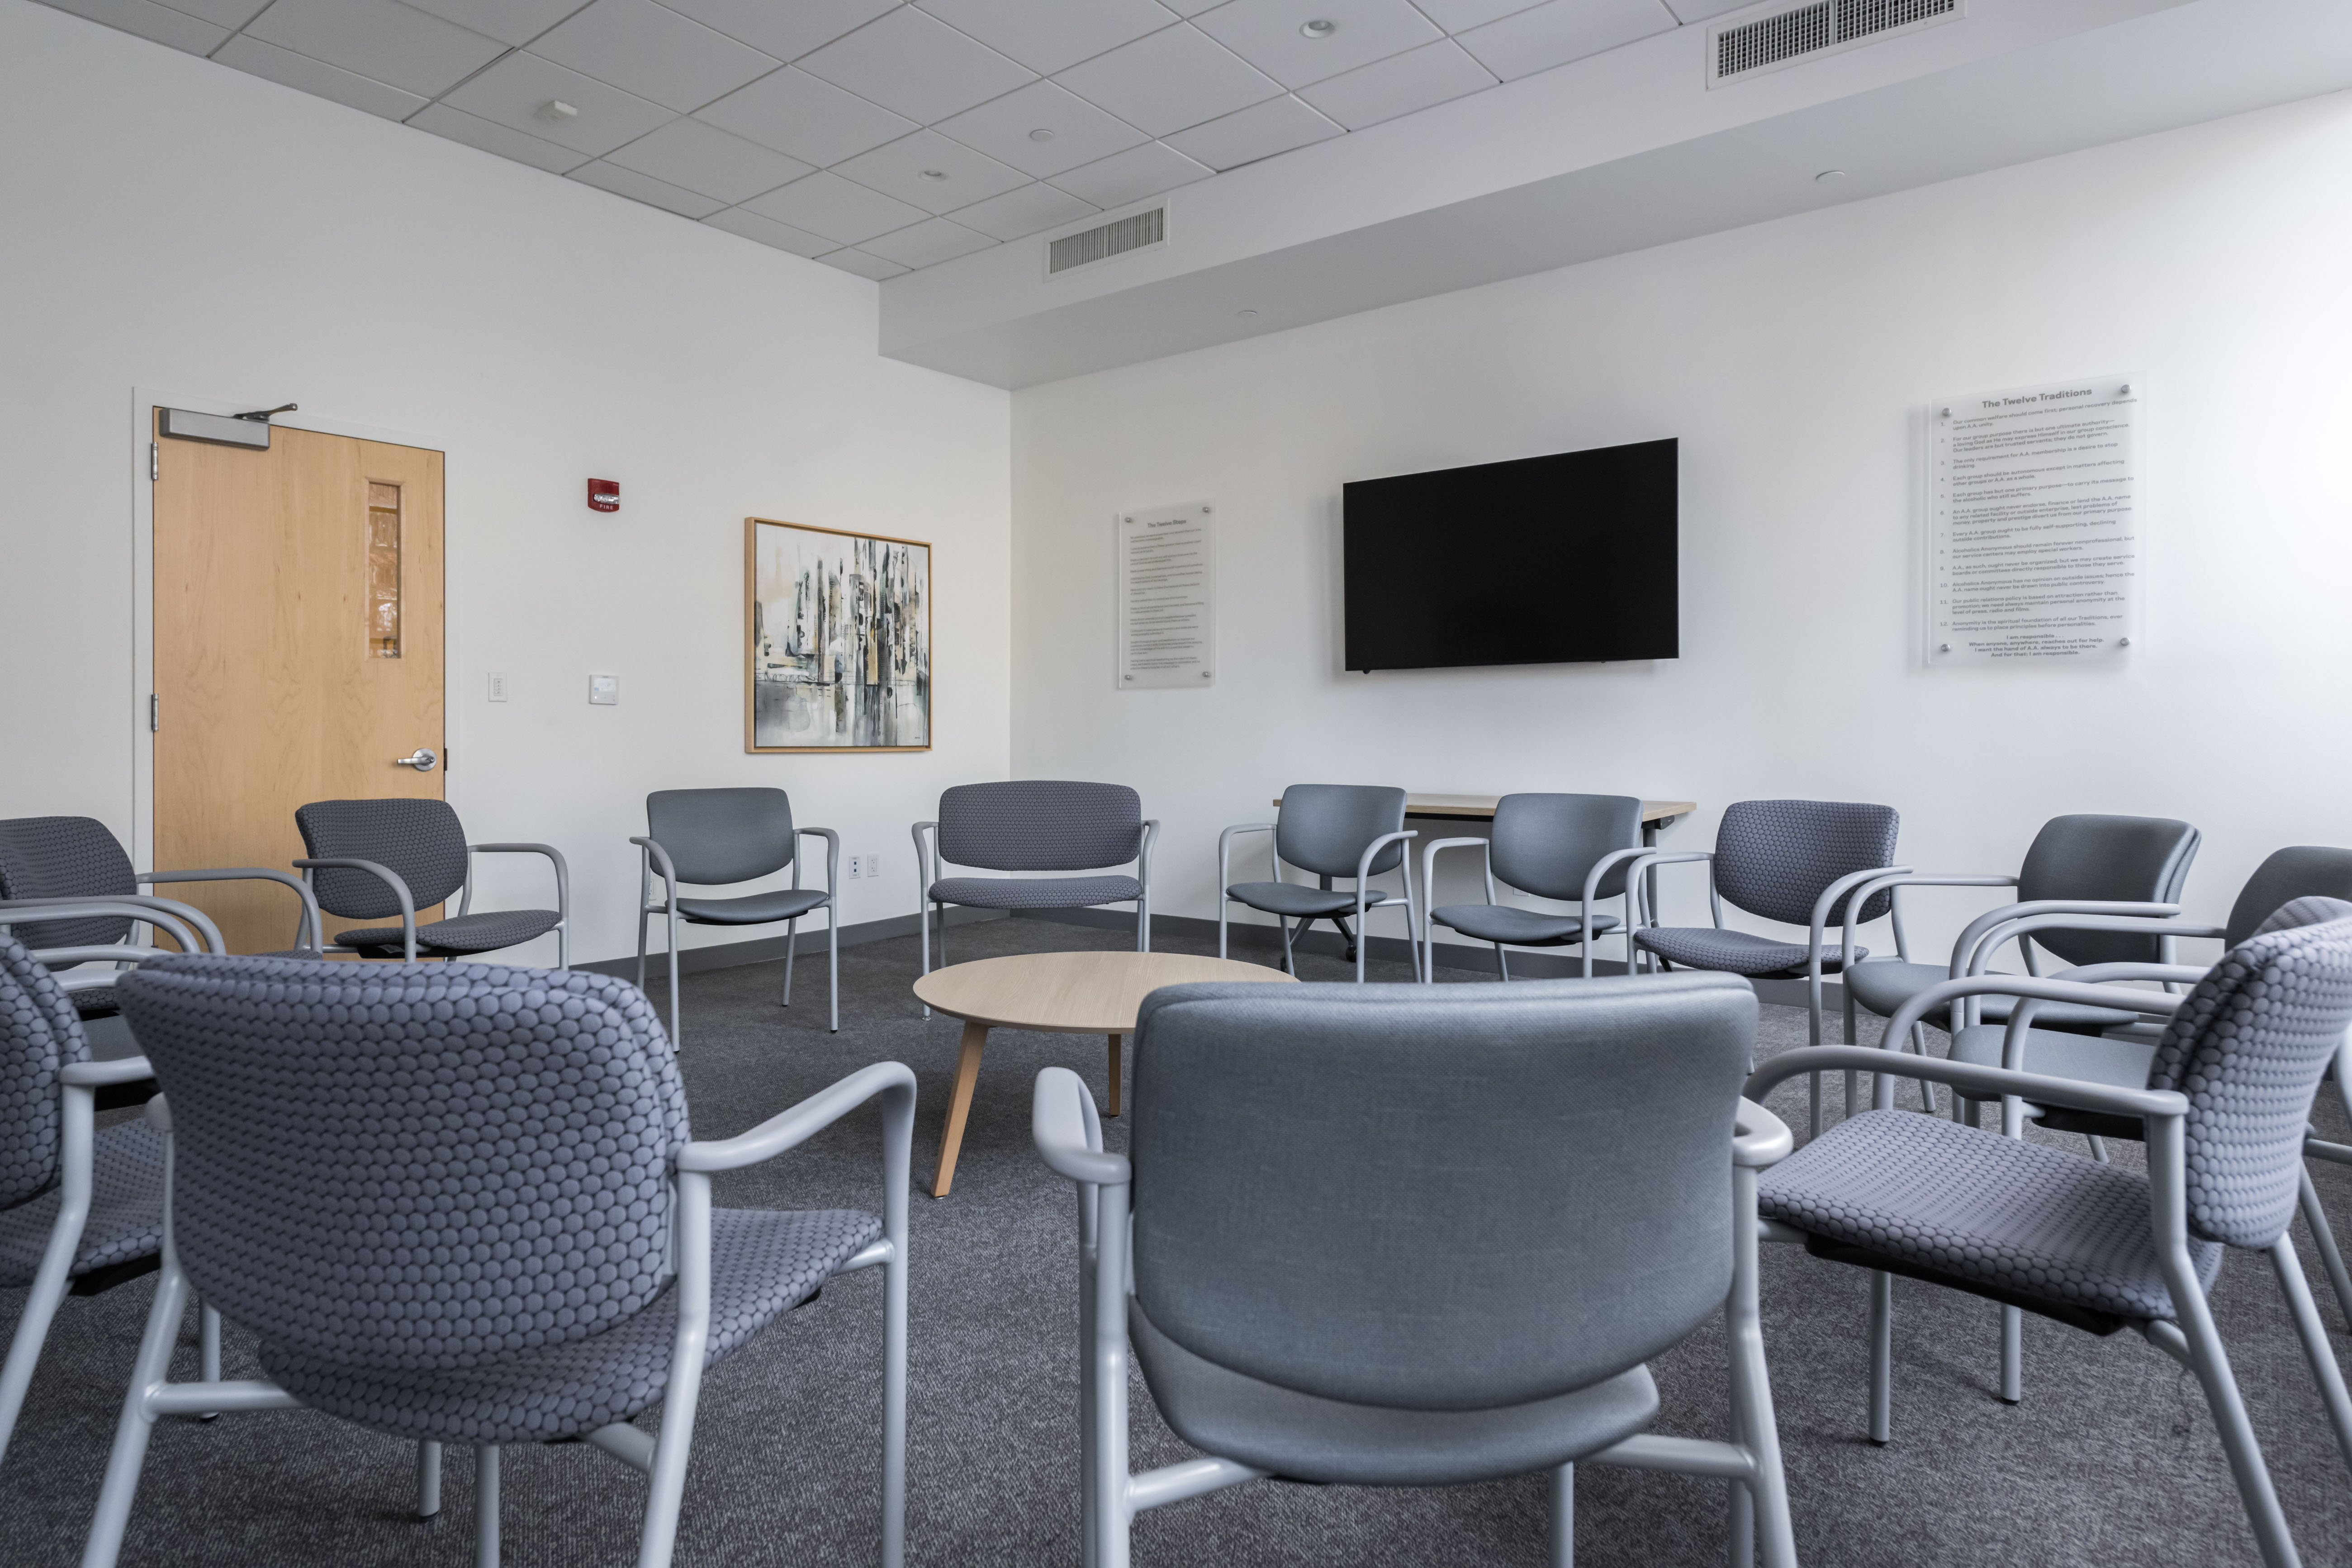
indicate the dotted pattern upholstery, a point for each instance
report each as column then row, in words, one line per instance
column 126, row 1209
column 1773, row 857
column 1295, row 898
column 1040, row 825
column 38, row 1036
column 457, row 937
column 419, row 841
column 1033, row 892
column 64, row 857
column 1737, row 951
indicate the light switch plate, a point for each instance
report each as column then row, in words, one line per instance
column 604, row 690
column 498, row 687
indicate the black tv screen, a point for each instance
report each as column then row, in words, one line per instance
column 1568, row 559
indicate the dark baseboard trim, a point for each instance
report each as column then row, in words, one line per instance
column 771, row 949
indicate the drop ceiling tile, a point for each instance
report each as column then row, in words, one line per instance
column 789, row 28
column 806, row 117
column 491, row 137
column 1030, row 210
column 382, row 39
column 932, row 240
column 914, row 64
column 644, row 188
column 864, row 266
column 1191, row 7
column 1131, row 175
column 707, row 160
column 769, row 232
column 654, row 52
column 1258, row 131
column 1048, row 34
column 1559, row 31
column 842, row 210
column 931, row 171
column 1076, row 131
column 230, row 13
column 1401, row 84
column 1177, row 78
column 1707, row 10
column 1266, row 34
column 514, row 92
column 159, row 23
column 516, row 22
column 1461, row 15
column 307, row 75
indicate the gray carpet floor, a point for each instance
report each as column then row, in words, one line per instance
column 2111, row 1459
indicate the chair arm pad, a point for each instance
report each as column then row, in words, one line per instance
column 1975, row 1082
column 98, row 1075
column 1758, row 1138
column 1057, row 1122
column 789, row 1129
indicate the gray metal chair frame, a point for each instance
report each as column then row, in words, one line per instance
column 651, row 853
column 1382, row 852
column 309, row 866
column 1598, row 854
column 930, row 857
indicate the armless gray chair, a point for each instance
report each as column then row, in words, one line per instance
column 713, row 836
column 2224, row 1110
column 582, row 1280
column 1571, row 848
column 1331, row 830
column 1034, row 824
column 375, row 858
column 1564, row 1187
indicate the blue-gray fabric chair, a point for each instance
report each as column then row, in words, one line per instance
column 1562, row 1187
column 372, row 860
column 577, row 1278
column 712, row 837
column 2225, row 1108
column 1571, row 848
column 1034, row 824
column 1331, row 830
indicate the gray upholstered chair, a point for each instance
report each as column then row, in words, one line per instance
column 1034, row 824
column 1571, row 848
column 583, row 1280
column 372, row 860
column 1332, row 830
column 1564, row 1189
column 2225, row 1108
column 710, row 837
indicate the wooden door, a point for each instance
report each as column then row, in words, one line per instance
column 297, row 652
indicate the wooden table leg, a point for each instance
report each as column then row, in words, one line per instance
column 1114, row 1075
column 975, row 1040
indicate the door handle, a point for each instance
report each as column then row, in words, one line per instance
column 422, row 760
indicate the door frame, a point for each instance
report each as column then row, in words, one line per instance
column 142, row 583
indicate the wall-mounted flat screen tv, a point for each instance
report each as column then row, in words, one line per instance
column 1568, row 559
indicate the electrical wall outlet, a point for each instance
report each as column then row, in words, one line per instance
column 853, row 867
column 498, row 687
column 873, row 864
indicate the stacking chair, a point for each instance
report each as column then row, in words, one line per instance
column 557, row 1297
column 715, row 836
column 371, row 859
column 1566, row 848
column 1330, row 830
column 1034, row 824
column 2224, row 1111
column 1564, row 1187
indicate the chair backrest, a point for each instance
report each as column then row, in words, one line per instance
column 1040, row 825
column 2303, row 871
column 1773, row 857
column 39, row 1034
column 717, row 836
column 418, row 840
column 1436, row 1198
column 64, row 857
column 414, row 1166
column 2134, row 859
column 1323, row 828
column 2248, row 1048
column 1546, row 844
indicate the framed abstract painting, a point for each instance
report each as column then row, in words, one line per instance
column 837, row 640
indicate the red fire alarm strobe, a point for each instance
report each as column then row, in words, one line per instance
column 603, row 495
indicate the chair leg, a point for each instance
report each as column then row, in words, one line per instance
column 49, row 1286
column 429, row 1479
column 1563, row 1517
column 208, row 1349
column 2313, row 1335
column 642, row 912
column 2012, row 1355
column 1503, row 962
column 1290, row 964
column 2212, row 1365
column 2322, row 1237
column 674, row 1030
column 486, row 1505
column 2099, row 1150
column 128, row 1455
column 1919, row 1047
column 1882, row 1357
column 833, row 963
column 791, row 944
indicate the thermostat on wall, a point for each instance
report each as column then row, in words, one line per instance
column 603, row 495
column 604, row 690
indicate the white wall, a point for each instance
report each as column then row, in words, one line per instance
column 177, row 226
column 1794, row 361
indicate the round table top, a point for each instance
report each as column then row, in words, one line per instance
column 1069, row 992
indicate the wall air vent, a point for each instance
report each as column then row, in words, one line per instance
column 1106, row 240
column 1787, row 36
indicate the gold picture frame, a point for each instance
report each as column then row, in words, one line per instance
column 836, row 639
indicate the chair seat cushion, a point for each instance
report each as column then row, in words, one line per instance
column 1883, row 987
column 455, row 937
column 2023, row 1223
column 1735, row 951
column 1521, row 928
column 754, row 909
column 94, row 1004
column 126, row 1209
column 762, row 1264
column 1309, row 1437
column 1296, row 898
column 1036, row 892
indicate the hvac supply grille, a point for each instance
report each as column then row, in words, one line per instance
column 1101, row 243
column 1809, row 29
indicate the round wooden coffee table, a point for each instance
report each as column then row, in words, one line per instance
column 1059, row 994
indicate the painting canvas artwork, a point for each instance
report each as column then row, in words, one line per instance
column 838, row 627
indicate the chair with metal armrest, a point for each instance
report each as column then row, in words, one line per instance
column 1564, row 848
column 1330, row 830
column 1034, row 824
column 372, row 860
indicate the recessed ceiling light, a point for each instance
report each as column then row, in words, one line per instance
column 1041, row 134
column 935, row 173
column 1320, row 28
column 556, row 108
column 1829, row 176
column 1245, row 313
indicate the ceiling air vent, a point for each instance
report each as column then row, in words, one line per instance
column 1798, row 33
column 1107, row 240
